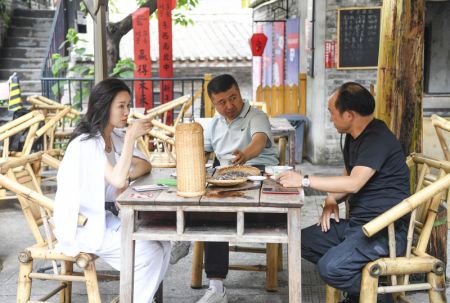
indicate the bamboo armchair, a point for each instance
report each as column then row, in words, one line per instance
column 433, row 183
column 18, row 176
column 29, row 121
column 273, row 251
column 442, row 127
column 56, row 129
column 164, row 154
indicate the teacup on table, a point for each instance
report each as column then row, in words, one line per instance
column 226, row 160
column 276, row 171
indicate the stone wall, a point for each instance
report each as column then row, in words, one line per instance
column 9, row 6
column 6, row 7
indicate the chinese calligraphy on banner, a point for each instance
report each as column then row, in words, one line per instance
column 278, row 47
column 292, row 48
column 143, row 67
column 267, row 57
column 165, row 52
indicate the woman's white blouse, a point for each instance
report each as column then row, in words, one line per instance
column 81, row 189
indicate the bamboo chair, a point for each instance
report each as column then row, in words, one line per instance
column 162, row 134
column 58, row 119
column 29, row 121
column 433, row 183
column 273, row 251
column 442, row 125
column 19, row 177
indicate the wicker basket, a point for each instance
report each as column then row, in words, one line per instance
column 191, row 173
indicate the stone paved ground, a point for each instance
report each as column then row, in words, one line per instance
column 241, row 286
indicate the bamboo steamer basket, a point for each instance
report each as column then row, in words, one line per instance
column 190, row 155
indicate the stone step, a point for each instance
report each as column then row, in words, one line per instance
column 26, row 42
column 18, row 21
column 34, row 13
column 21, row 63
column 23, row 52
column 31, row 87
column 28, row 32
column 22, row 73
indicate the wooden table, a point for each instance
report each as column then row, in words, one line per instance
column 251, row 200
column 279, row 127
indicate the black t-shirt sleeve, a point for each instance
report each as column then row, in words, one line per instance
column 372, row 152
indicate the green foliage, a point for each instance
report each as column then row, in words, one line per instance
column 123, row 69
column 61, row 64
column 3, row 13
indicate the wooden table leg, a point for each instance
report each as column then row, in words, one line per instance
column 292, row 148
column 127, row 255
column 294, row 256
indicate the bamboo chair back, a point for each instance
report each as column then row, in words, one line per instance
column 442, row 125
column 433, row 182
column 162, row 134
column 29, row 121
column 18, row 176
column 58, row 122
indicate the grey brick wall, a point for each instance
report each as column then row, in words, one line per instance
column 334, row 77
column 242, row 74
column 331, row 152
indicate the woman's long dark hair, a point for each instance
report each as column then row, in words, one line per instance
column 99, row 107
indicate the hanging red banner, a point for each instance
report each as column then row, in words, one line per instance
column 165, row 52
column 142, row 60
column 330, row 54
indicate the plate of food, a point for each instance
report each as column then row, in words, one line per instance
column 233, row 175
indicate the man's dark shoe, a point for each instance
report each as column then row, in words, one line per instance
column 350, row 299
column 385, row 298
column 381, row 298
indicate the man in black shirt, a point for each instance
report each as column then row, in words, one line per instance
column 375, row 179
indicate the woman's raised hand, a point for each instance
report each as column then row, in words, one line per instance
column 139, row 127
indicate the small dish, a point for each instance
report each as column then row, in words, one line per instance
column 256, row 178
column 174, row 174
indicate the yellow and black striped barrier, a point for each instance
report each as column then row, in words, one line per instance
column 15, row 100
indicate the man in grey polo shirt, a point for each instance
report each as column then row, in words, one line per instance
column 243, row 131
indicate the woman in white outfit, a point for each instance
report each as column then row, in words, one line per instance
column 97, row 166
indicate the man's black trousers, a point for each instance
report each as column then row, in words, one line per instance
column 344, row 250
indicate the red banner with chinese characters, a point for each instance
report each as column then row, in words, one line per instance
column 330, row 54
column 165, row 52
column 142, row 60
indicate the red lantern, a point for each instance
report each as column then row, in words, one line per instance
column 258, row 43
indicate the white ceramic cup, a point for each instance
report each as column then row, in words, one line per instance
column 226, row 160
column 277, row 170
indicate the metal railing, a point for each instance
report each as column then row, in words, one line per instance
column 58, row 35
column 75, row 91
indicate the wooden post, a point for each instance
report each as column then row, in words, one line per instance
column 400, row 70
column 209, row 109
column 294, row 256
column 197, row 265
column 24, row 283
column 437, row 291
column 302, row 84
column 68, row 290
column 370, row 282
column 332, row 295
column 272, row 268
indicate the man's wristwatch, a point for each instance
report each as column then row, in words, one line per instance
column 305, row 181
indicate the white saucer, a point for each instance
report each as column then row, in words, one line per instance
column 256, row 178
